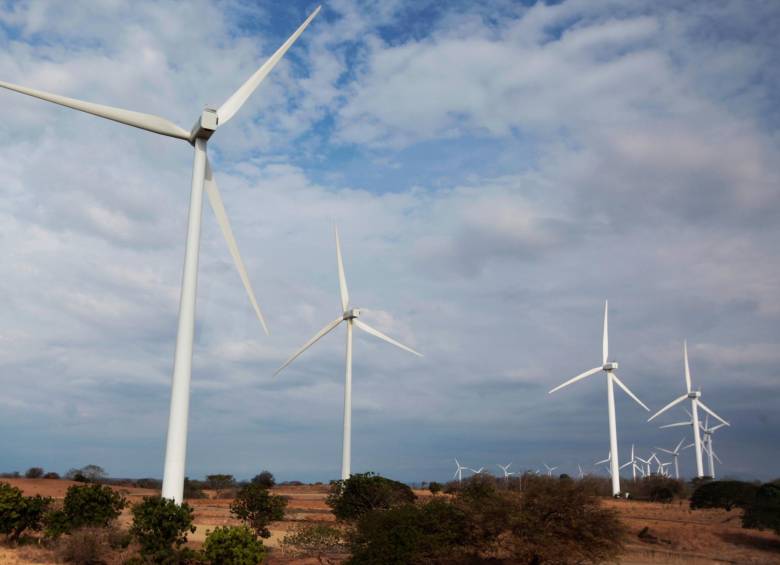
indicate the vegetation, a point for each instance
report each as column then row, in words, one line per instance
column 87, row 474
column 724, row 494
column 51, row 475
column 34, row 473
column 655, row 488
column 222, row 484
column 233, row 545
column 315, row 540
column 264, row 479
column 257, row 508
column 160, row 526
column 361, row 493
column 193, row 489
column 19, row 513
column 764, row 511
column 435, row 487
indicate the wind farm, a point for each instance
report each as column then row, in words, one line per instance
column 493, row 190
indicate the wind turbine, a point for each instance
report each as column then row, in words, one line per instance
column 695, row 397
column 477, row 471
column 707, row 444
column 549, row 469
column 581, row 473
column 202, row 177
column 609, row 368
column 674, row 453
column 350, row 316
column 633, row 464
column 505, row 470
column 459, row 472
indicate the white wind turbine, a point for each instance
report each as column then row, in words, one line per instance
column 477, row 471
column 549, row 469
column 202, row 177
column 505, row 470
column 674, row 453
column 350, row 316
column 609, row 368
column 707, row 444
column 695, row 398
column 459, row 472
column 581, row 473
column 633, row 464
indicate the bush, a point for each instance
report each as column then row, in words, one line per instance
column 51, row 475
column 360, row 493
column 764, row 511
column 193, row 489
column 724, row 494
column 92, row 505
column 86, row 546
column 435, row 487
column 560, row 522
column 233, row 545
column 220, row 483
column 87, row 474
column 410, row 534
column 487, row 510
column 161, row 526
column 313, row 540
column 19, row 513
column 257, row 508
column 264, row 479
column 655, row 488
column 34, row 473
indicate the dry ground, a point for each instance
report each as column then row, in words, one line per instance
column 682, row 536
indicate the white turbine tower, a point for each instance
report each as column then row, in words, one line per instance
column 459, row 472
column 695, row 398
column 707, row 444
column 580, row 474
column 350, row 316
column 674, row 453
column 505, row 470
column 609, row 368
column 202, row 177
column 549, row 469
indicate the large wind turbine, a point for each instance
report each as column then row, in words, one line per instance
column 202, row 177
column 350, row 316
column 695, row 397
column 609, row 368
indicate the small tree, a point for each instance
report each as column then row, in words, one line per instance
column 435, row 487
column 51, row 475
column 361, row 493
column 220, row 483
column 34, row 473
column 313, row 540
column 257, row 508
column 264, row 479
column 92, row 505
column 193, row 489
column 19, row 513
column 233, row 545
column 724, row 494
column 764, row 511
column 161, row 526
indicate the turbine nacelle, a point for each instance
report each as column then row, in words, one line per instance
column 610, row 366
column 694, row 394
column 352, row 313
column 206, row 125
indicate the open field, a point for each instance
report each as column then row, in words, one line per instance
column 681, row 535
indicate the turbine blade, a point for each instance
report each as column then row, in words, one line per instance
column 687, row 367
column 237, row 99
column 605, row 340
column 456, row 473
column 675, row 425
column 676, row 449
column 628, row 392
column 215, row 199
column 665, row 408
column 665, row 450
column 624, row 465
column 343, row 290
column 366, row 328
column 579, row 377
column 148, row 122
column 711, row 413
column 311, row 342
column 719, row 426
column 715, row 455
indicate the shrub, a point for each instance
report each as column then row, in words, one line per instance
column 87, row 474
column 360, row 493
column 220, row 483
column 313, row 540
column 410, row 534
column 193, row 489
column 264, row 479
column 160, row 526
column 51, row 475
column 257, row 508
column 153, row 484
column 764, row 511
column 233, row 545
column 19, row 513
column 435, row 487
column 86, row 546
column 655, row 488
column 34, row 473
column 560, row 522
column 92, row 505
column 724, row 494
column 487, row 510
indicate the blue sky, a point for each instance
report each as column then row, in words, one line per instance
column 496, row 170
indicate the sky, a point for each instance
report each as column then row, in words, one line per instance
column 497, row 170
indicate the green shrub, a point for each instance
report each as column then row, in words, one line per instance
column 92, row 505
column 435, row 487
column 724, row 494
column 764, row 511
column 19, row 513
column 34, row 473
column 233, row 545
column 221, row 484
column 193, row 489
column 487, row 510
column 51, row 475
column 313, row 540
column 264, row 479
column 257, row 507
column 655, row 488
column 360, row 493
column 160, row 526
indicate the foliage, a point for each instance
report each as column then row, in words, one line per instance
column 655, row 488
column 92, row 505
column 257, row 507
column 764, row 511
column 193, row 489
column 313, row 540
column 19, row 513
column 87, row 474
column 360, row 493
column 220, row 483
column 233, row 545
column 487, row 511
column 161, row 526
column 153, row 484
column 724, row 494
column 34, row 473
column 86, row 546
column 265, row 479
column 560, row 522
column 51, row 475
column 410, row 534
column 435, row 487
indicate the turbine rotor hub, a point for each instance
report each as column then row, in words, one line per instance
column 206, row 125
column 694, row 394
column 352, row 313
column 611, row 366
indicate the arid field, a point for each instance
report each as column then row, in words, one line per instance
column 675, row 533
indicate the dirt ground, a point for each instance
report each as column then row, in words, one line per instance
column 675, row 533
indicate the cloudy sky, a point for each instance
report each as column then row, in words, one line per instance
column 497, row 170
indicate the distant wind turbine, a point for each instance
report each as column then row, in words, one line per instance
column 549, row 469
column 505, row 470
column 459, row 472
column 609, row 368
column 350, row 316
column 581, row 473
column 477, row 471
column 674, row 453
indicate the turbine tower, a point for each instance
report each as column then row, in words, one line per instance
column 350, row 316
column 202, row 178
column 609, row 368
column 696, row 403
column 707, row 445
